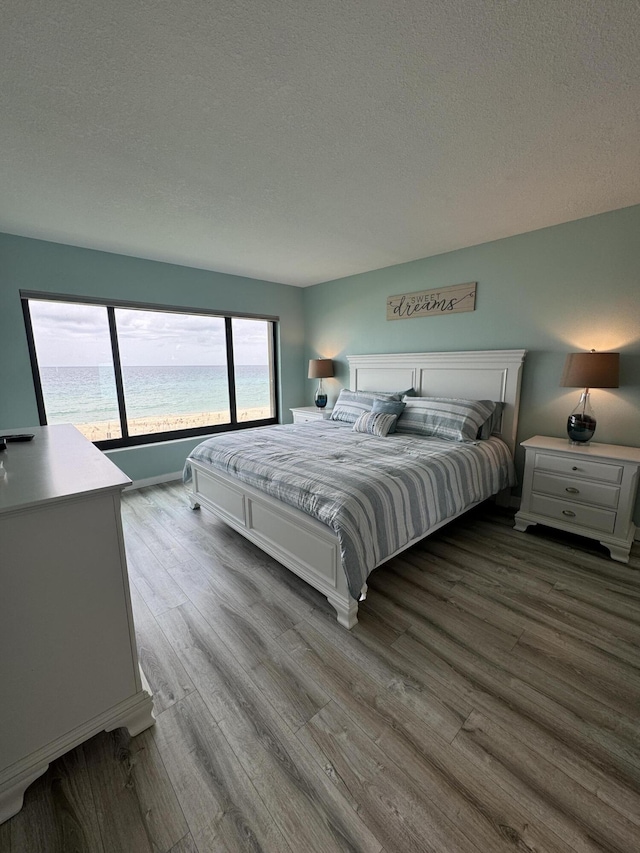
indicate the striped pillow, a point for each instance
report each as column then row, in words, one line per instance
column 443, row 417
column 375, row 423
column 351, row 404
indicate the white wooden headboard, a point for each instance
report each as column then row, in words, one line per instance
column 475, row 375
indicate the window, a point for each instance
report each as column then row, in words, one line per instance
column 253, row 359
column 126, row 375
column 161, row 392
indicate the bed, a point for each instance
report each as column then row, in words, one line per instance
column 228, row 475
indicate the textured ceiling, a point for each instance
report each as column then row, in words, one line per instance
column 304, row 141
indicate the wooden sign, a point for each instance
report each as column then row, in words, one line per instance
column 433, row 303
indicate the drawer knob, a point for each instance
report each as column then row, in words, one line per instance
column 575, row 468
column 572, row 491
column 568, row 512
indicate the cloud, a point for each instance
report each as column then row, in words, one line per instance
column 57, row 319
column 63, row 331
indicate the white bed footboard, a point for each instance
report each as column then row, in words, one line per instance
column 307, row 547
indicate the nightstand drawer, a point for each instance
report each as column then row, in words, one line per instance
column 573, row 513
column 579, row 467
column 572, row 489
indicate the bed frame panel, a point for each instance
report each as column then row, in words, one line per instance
column 309, row 548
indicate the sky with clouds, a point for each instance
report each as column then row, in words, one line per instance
column 72, row 335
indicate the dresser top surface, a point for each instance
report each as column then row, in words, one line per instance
column 57, row 464
column 593, row 450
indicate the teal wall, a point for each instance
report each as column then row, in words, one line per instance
column 570, row 287
column 561, row 289
column 51, row 267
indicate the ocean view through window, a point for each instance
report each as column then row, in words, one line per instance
column 126, row 376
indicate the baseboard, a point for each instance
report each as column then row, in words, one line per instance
column 154, row 481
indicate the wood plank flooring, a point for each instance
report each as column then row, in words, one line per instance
column 488, row 701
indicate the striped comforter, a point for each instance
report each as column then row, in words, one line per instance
column 377, row 494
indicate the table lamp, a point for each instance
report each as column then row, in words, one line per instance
column 320, row 368
column 588, row 370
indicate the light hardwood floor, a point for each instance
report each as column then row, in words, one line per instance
column 487, row 701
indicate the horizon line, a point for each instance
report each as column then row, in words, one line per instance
column 64, row 366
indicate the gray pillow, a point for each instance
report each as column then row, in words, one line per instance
column 389, row 407
column 492, row 423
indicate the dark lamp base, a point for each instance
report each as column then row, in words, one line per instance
column 580, row 428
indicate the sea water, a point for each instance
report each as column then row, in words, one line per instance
column 88, row 394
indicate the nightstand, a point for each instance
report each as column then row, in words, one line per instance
column 586, row 490
column 310, row 413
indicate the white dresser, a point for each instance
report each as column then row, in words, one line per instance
column 68, row 658
column 302, row 414
column 589, row 490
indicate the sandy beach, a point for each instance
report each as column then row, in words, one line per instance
column 101, row 430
